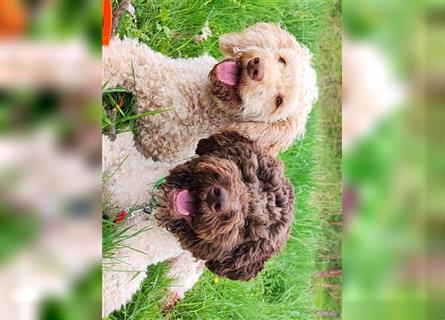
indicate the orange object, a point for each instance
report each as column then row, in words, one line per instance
column 121, row 102
column 107, row 17
column 13, row 17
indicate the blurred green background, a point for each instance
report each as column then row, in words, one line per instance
column 63, row 112
column 393, row 237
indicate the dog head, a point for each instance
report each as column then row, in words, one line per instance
column 231, row 207
column 266, row 76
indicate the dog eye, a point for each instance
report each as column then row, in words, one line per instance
column 246, row 224
column 281, row 60
column 180, row 224
column 278, row 101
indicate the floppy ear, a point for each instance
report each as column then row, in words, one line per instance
column 244, row 263
column 218, row 140
column 231, row 43
column 260, row 35
column 257, row 35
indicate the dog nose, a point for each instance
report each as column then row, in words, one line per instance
column 218, row 199
column 255, row 69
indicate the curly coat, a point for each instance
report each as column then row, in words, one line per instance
column 234, row 242
column 202, row 104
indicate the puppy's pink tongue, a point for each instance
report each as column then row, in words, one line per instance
column 185, row 202
column 227, row 72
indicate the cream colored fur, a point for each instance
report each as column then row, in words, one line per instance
column 295, row 81
column 160, row 82
column 128, row 181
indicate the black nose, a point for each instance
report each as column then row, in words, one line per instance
column 255, row 69
column 218, row 199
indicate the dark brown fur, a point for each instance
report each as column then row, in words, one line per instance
column 226, row 97
column 237, row 242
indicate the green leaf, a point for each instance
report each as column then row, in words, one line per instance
column 163, row 15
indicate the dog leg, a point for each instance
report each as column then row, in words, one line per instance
column 126, row 270
column 185, row 270
column 119, row 287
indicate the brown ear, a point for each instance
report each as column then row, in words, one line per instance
column 219, row 140
column 244, row 262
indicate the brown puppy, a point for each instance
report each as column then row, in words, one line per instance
column 231, row 207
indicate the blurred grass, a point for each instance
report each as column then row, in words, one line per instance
column 80, row 303
column 18, row 231
column 384, row 236
column 292, row 286
column 393, row 241
column 27, row 108
column 68, row 19
column 394, row 26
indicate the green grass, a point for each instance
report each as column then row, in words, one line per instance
column 292, row 286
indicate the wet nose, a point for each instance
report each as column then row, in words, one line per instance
column 218, row 199
column 255, row 69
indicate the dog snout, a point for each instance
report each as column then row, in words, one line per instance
column 218, row 199
column 255, row 69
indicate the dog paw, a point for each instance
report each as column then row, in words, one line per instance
column 170, row 303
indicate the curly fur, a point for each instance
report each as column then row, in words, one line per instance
column 202, row 105
column 234, row 242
